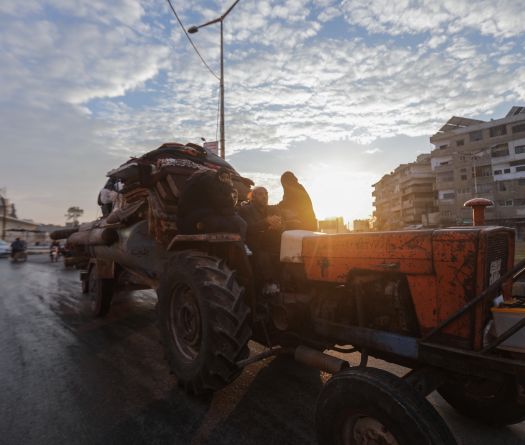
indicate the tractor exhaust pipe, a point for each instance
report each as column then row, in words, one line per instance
column 478, row 209
column 315, row 359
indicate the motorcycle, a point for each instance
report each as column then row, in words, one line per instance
column 54, row 253
column 19, row 256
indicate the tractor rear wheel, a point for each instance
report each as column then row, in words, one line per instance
column 99, row 292
column 362, row 406
column 204, row 321
column 491, row 402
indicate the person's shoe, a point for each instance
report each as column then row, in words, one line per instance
column 270, row 289
column 247, row 250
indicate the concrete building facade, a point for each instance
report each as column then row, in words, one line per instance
column 11, row 227
column 485, row 159
column 405, row 197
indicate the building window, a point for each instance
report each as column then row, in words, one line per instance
column 499, row 150
column 484, row 188
column 442, row 147
column 445, row 176
column 500, row 130
column 519, row 149
column 505, row 203
column 521, row 168
column 460, row 142
column 521, row 181
column 497, row 172
column 463, row 177
column 518, row 128
column 483, row 170
column 502, row 186
column 463, row 170
column 475, row 136
column 507, row 170
column 519, row 202
column 450, row 195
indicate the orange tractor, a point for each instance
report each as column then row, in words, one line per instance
column 435, row 301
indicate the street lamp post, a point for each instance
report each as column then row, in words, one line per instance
column 194, row 29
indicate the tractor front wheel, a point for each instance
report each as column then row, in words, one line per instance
column 204, row 321
column 490, row 401
column 362, row 406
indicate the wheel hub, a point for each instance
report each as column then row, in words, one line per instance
column 186, row 323
column 367, row 431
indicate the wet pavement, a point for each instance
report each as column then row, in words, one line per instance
column 66, row 378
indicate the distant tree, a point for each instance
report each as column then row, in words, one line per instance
column 74, row 213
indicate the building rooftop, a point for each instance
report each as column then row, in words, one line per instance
column 456, row 122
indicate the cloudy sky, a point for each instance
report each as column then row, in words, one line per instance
column 340, row 92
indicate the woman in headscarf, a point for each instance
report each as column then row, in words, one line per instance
column 296, row 205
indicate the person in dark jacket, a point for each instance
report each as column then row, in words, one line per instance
column 207, row 204
column 17, row 246
column 263, row 238
column 296, row 205
column 264, row 222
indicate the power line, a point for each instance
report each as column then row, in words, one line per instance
column 191, row 41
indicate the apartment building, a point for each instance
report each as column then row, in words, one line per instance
column 405, row 197
column 486, row 159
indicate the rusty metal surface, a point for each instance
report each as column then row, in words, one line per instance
column 94, row 237
column 329, row 258
column 445, row 268
column 105, row 268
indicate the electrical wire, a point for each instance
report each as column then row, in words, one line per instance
column 191, row 41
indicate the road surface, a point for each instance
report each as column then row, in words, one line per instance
column 68, row 379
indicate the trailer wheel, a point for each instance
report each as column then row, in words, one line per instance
column 362, row 406
column 99, row 292
column 204, row 321
column 491, row 402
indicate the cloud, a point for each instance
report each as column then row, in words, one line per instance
column 72, row 62
column 118, row 78
column 504, row 18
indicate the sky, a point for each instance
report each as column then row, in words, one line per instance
column 340, row 92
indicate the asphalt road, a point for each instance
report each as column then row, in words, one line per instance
column 68, row 379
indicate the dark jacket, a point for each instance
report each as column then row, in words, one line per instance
column 18, row 246
column 258, row 236
column 297, row 201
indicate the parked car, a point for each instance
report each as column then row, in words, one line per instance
column 5, row 249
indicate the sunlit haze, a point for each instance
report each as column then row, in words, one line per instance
column 339, row 92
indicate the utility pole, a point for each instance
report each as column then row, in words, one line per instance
column 4, row 215
column 194, row 29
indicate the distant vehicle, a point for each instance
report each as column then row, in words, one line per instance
column 5, row 249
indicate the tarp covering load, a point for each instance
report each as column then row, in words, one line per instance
column 151, row 185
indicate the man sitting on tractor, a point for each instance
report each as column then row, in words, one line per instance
column 207, row 204
column 263, row 237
